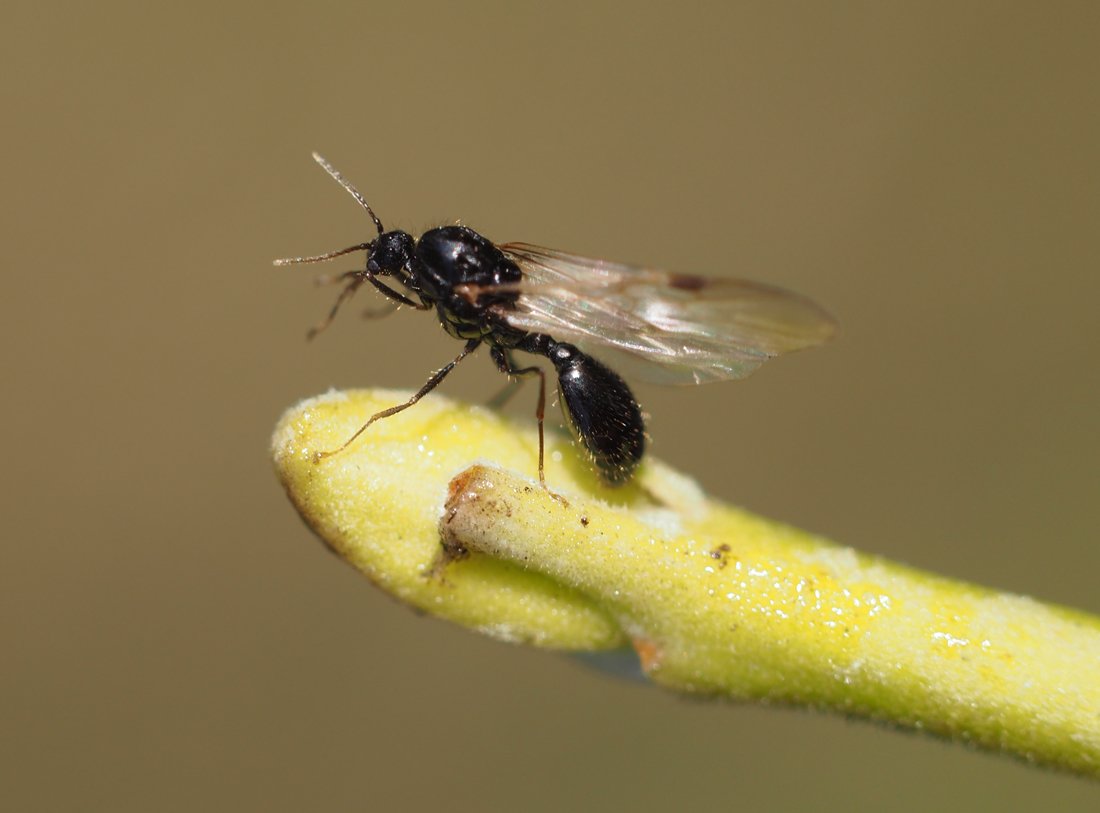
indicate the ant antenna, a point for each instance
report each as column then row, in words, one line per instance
column 344, row 182
column 340, row 179
column 320, row 258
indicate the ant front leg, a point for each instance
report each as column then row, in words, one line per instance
column 393, row 295
column 430, row 385
column 382, row 311
column 394, row 299
column 356, row 278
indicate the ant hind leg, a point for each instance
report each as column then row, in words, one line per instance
column 506, row 364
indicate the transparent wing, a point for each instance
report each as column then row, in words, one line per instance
column 659, row 326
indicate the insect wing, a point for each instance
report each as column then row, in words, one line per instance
column 659, row 326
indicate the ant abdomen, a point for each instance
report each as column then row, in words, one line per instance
column 601, row 412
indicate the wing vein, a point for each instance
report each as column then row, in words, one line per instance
column 659, row 326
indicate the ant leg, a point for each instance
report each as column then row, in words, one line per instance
column 506, row 364
column 390, row 293
column 357, row 278
column 430, row 385
column 332, row 279
column 346, row 294
column 378, row 313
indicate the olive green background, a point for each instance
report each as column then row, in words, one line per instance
column 172, row 636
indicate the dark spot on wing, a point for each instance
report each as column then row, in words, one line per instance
column 687, row 282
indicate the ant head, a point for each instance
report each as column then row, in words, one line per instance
column 389, row 252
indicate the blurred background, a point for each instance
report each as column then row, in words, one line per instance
column 175, row 639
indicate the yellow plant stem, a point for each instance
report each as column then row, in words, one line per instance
column 714, row 600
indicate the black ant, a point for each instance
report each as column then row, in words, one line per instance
column 666, row 327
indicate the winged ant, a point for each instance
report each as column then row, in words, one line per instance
column 660, row 326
